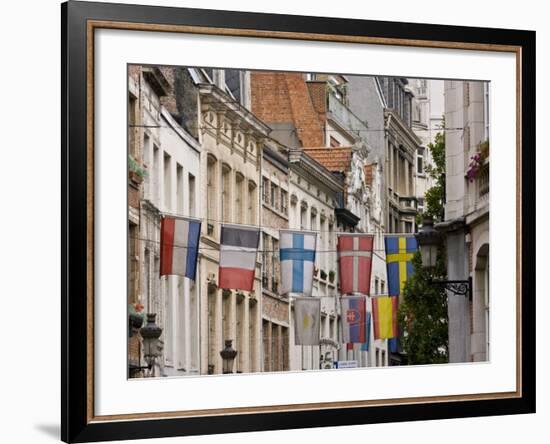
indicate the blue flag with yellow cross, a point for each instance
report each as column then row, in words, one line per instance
column 400, row 250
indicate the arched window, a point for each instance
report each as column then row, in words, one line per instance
column 211, row 193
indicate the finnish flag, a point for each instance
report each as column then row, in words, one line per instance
column 297, row 255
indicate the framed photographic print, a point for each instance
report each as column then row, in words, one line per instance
column 276, row 221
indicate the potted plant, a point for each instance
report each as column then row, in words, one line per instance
column 477, row 160
column 136, row 173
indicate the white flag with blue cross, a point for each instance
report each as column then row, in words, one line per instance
column 297, row 255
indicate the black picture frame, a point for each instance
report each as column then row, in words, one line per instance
column 77, row 425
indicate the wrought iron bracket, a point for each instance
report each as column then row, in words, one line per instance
column 457, row 287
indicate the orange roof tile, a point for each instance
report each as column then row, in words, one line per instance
column 333, row 159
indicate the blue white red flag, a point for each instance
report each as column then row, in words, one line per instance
column 179, row 246
column 354, row 319
column 238, row 252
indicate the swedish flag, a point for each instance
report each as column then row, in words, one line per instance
column 399, row 253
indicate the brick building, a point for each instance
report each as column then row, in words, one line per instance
column 310, row 113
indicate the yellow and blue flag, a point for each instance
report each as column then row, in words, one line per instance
column 399, row 253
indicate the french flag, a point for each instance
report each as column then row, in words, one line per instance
column 238, row 251
column 179, row 246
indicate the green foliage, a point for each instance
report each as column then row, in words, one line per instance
column 423, row 317
column 435, row 196
column 136, row 168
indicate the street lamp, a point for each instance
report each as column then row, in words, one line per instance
column 151, row 334
column 428, row 240
column 228, row 355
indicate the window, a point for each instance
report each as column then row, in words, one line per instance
column 284, row 202
column 273, row 196
column 167, row 182
column 420, row 161
column 334, row 143
column 226, row 193
column 155, row 181
column 210, row 73
column 408, row 227
column 252, row 202
column 274, row 265
column 313, row 220
column 179, row 189
column 265, row 194
column 132, row 130
column 239, row 198
column 265, row 260
column 191, row 188
column 132, row 262
column 212, row 194
column 303, row 216
column 233, row 83
column 410, row 187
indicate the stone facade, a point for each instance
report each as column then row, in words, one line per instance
column 275, row 208
column 466, row 221
column 231, row 140
column 313, row 192
column 401, row 150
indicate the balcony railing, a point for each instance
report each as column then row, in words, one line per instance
column 345, row 117
column 483, row 182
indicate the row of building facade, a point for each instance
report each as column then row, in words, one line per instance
column 277, row 150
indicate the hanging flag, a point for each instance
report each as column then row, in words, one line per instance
column 307, row 315
column 238, row 252
column 399, row 253
column 384, row 315
column 297, row 255
column 179, row 246
column 354, row 315
column 355, row 262
column 365, row 345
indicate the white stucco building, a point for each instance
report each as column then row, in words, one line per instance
column 466, row 223
column 171, row 158
column 313, row 191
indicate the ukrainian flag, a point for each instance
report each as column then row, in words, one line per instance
column 399, row 253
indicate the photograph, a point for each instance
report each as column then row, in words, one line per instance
column 283, row 221
column 276, row 221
